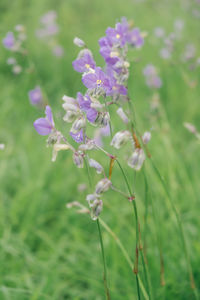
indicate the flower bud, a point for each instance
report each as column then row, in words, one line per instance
column 122, row 115
column 120, row 138
column 137, row 158
column 89, row 145
column 70, row 116
column 2, row 146
column 96, row 209
column 78, row 125
column 70, row 103
column 91, row 198
column 58, row 147
column 78, row 159
column 78, row 42
column 102, row 119
column 103, row 185
column 94, row 164
column 146, row 137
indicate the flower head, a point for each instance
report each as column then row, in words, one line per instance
column 35, row 96
column 9, row 41
column 84, row 62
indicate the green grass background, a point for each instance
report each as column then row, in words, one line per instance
column 49, row 252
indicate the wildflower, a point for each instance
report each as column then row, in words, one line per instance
column 78, row 42
column 120, row 139
column 78, row 158
column 96, row 79
column 85, row 105
column 102, row 186
column 45, row 126
column 146, row 137
column 84, row 62
column 122, row 115
column 9, row 41
column 78, row 136
column 137, row 158
column 35, row 96
column 118, row 35
column 152, row 78
column 95, row 204
column 135, row 38
column 94, row 164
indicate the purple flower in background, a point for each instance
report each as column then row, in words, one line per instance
column 96, row 79
column 135, row 38
column 84, row 62
column 49, row 17
column 152, row 78
column 9, row 40
column 77, row 137
column 85, row 105
column 58, row 51
column 35, row 96
column 44, row 126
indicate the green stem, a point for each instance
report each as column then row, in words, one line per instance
column 137, row 229
column 104, row 262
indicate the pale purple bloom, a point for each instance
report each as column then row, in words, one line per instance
column 84, row 63
column 77, row 137
column 118, row 35
column 135, row 38
column 9, row 40
column 152, row 78
column 116, row 88
column 96, row 79
column 35, row 96
column 44, row 126
column 85, row 105
column 111, row 57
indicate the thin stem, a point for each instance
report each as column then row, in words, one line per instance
column 135, row 270
column 104, row 262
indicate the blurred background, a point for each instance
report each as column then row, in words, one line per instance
column 48, row 251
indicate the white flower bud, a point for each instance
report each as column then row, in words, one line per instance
column 94, row 164
column 2, row 146
column 103, row 185
column 102, row 119
column 78, row 42
column 122, row 115
column 78, row 125
column 70, row 103
column 146, row 137
column 91, row 198
column 58, row 147
column 96, row 209
column 89, row 145
column 136, row 160
column 78, row 159
column 120, row 138
column 70, row 116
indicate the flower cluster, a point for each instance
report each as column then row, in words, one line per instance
column 104, row 87
column 49, row 29
column 14, row 42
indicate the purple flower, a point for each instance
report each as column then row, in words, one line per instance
column 135, row 38
column 115, row 88
column 118, row 35
column 111, row 57
column 96, row 79
column 85, row 105
column 9, row 40
column 44, row 126
column 84, row 62
column 77, row 137
column 35, row 96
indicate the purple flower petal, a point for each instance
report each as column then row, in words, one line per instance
column 92, row 115
column 9, row 40
column 84, row 102
column 84, row 63
column 49, row 115
column 42, row 126
column 77, row 137
column 90, row 80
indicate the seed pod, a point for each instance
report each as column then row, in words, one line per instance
column 78, row 159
